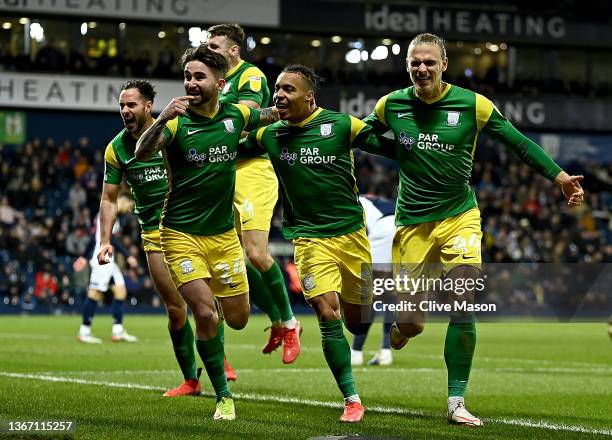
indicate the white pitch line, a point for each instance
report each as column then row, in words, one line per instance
column 315, row 403
column 376, row 370
column 410, row 354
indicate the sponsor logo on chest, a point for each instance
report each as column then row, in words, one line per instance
column 148, row 174
column 214, row 155
column 305, row 156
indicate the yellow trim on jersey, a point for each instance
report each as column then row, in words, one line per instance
column 203, row 113
column 253, row 76
column 259, row 135
column 356, row 126
column 380, row 109
column 355, row 188
column 110, row 157
column 307, row 120
column 233, row 69
column 484, row 108
column 442, row 95
column 172, row 125
column 245, row 110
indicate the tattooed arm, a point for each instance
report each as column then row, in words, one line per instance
column 267, row 116
column 153, row 139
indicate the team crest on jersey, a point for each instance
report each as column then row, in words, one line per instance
column 452, row 118
column 226, row 88
column 229, row 126
column 326, row 129
column 406, row 141
column 186, row 266
column 308, row 282
column 255, row 83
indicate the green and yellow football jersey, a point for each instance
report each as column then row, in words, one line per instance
column 314, row 164
column 245, row 82
column 434, row 145
column 147, row 180
column 201, row 162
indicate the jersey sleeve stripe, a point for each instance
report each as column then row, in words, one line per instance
column 259, row 135
column 356, row 127
column 246, row 112
column 172, row 126
column 110, row 157
column 484, row 108
column 380, row 109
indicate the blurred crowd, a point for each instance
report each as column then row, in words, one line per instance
column 165, row 65
column 49, row 195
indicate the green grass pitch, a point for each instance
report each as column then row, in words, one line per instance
column 529, row 380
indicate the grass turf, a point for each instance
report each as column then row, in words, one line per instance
column 528, row 381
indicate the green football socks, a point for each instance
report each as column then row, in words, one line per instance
column 458, row 353
column 338, row 355
column 182, row 341
column 260, row 295
column 275, row 281
column 211, row 352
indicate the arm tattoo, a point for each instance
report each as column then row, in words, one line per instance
column 267, row 116
column 151, row 141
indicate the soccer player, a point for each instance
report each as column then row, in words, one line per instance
column 99, row 281
column 380, row 227
column 435, row 126
column 198, row 137
column 310, row 150
column 149, row 185
column 255, row 197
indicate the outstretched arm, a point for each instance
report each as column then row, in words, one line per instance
column 153, row 139
column 532, row 154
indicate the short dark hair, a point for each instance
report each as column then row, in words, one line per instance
column 146, row 89
column 307, row 73
column 233, row 31
column 215, row 61
column 428, row 38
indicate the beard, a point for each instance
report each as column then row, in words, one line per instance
column 204, row 97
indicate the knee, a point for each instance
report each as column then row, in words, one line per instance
column 238, row 321
column 203, row 312
column 411, row 329
column 94, row 295
column 323, row 310
column 259, row 257
column 176, row 316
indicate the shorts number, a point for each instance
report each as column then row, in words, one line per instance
column 460, row 244
column 225, row 269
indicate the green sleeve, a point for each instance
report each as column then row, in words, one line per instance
column 253, row 121
column 377, row 119
column 246, row 93
column 112, row 175
column 372, row 143
column 249, row 146
column 500, row 129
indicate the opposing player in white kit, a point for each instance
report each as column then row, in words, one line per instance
column 380, row 227
column 99, row 281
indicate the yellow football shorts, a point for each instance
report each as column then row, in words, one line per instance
column 150, row 241
column 256, row 193
column 334, row 264
column 428, row 249
column 217, row 258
